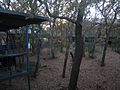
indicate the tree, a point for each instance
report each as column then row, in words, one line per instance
column 78, row 41
column 66, row 58
column 5, row 4
column 68, row 42
column 109, row 10
column 38, row 50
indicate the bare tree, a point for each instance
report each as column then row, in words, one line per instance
column 78, row 41
column 109, row 10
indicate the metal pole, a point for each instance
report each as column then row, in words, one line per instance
column 28, row 72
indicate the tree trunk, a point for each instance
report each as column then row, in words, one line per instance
column 61, row 47
column 77, row 58
column 33, row 40
column 108, row 30
column 93, row 50
column 66, row 58
column 105, row 48
column 104, row 54
column 78, row 47
column 52, row 40
column 38, row 58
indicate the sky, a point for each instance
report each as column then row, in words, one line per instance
column 92, row 10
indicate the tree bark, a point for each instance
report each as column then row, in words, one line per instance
column 108, row 30
column 78, row 47
column 52, row 39
column 66, row 58
column 77, row 58
column 104, row 52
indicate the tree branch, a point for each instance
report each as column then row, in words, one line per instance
column 54, row 16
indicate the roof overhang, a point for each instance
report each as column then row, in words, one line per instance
column 13, row 20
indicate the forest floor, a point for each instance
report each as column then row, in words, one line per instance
column 91, row 76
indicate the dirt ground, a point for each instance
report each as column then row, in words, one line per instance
column 91, row 77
